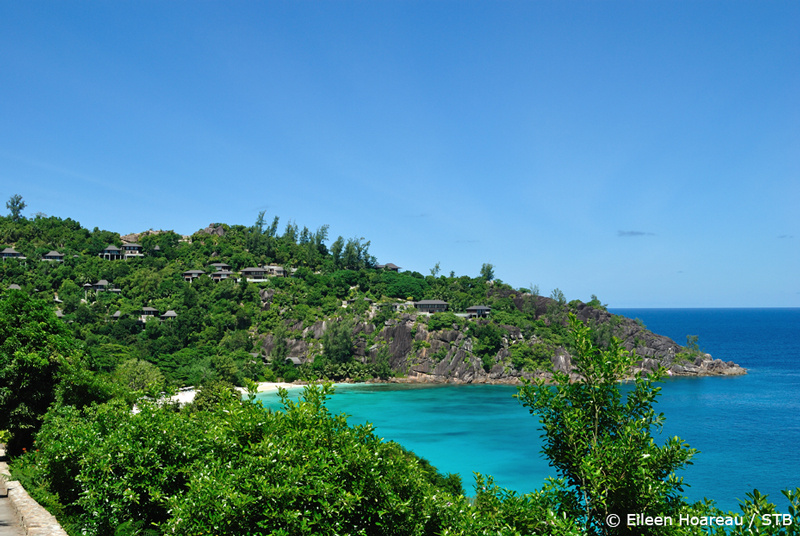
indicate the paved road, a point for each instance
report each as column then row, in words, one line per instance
column 8, row 521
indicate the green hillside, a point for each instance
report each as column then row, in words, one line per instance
column 218, row 319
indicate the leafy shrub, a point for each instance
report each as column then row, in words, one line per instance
column 495, row 510
column 233, row 469
column 450, row 482
column 524, row 357
column 488, row 341
column 139, row 375
column 108, row 466
column 439, row 354
column 597, row 304
column 36, row 349
column 445, row 320
column 382, row 367
column 337, row 342
column 212, row 395
column 312, row 475
column 404, row 286
column 690, row 352
column 419, row 345
column 600, row 442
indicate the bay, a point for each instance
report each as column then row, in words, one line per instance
column 747, row 427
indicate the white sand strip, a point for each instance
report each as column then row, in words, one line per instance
column 186, row 395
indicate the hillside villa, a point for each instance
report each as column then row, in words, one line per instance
column 11, row 253
column 254, row 274
column 220, row 266
column 132, row 250
column 220, row 275
column 191, row 275
column 53, row 256
column 128, row 251
column 478, row 311
column 431, row 306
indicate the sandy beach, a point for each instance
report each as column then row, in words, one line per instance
column 185, row 396
column 270, row 387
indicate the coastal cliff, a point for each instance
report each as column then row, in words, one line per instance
column 418, row 353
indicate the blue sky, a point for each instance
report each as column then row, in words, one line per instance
column 645, row 152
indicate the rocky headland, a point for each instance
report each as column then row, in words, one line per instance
column 420, row 355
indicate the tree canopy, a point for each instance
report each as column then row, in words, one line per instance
column 16, row 205
column 600, row 440
column 35, row 350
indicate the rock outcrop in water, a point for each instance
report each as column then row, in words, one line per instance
column 449, row 356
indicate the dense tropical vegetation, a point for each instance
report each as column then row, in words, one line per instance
column 93, row 439
column 220, row 327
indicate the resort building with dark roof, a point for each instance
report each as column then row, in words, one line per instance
column 128, row 251
column 191, row 275
column 274, row 270
column 220, row 266
column 431, row 306
column 53, row 256
column 111, row 253
column 147, row 313
column 254, row 274
column 11, row 253
column 220, row 275
column 477, row 311
column 389, row 267
column 105, row 286
column 101, row 285
column 132, row 250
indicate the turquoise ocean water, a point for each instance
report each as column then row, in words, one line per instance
column 747, row 428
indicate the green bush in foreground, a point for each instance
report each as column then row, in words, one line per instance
column 600, row 441
column 232, row 469
column 36, row 350
column 601, row 445
column 304, row 471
